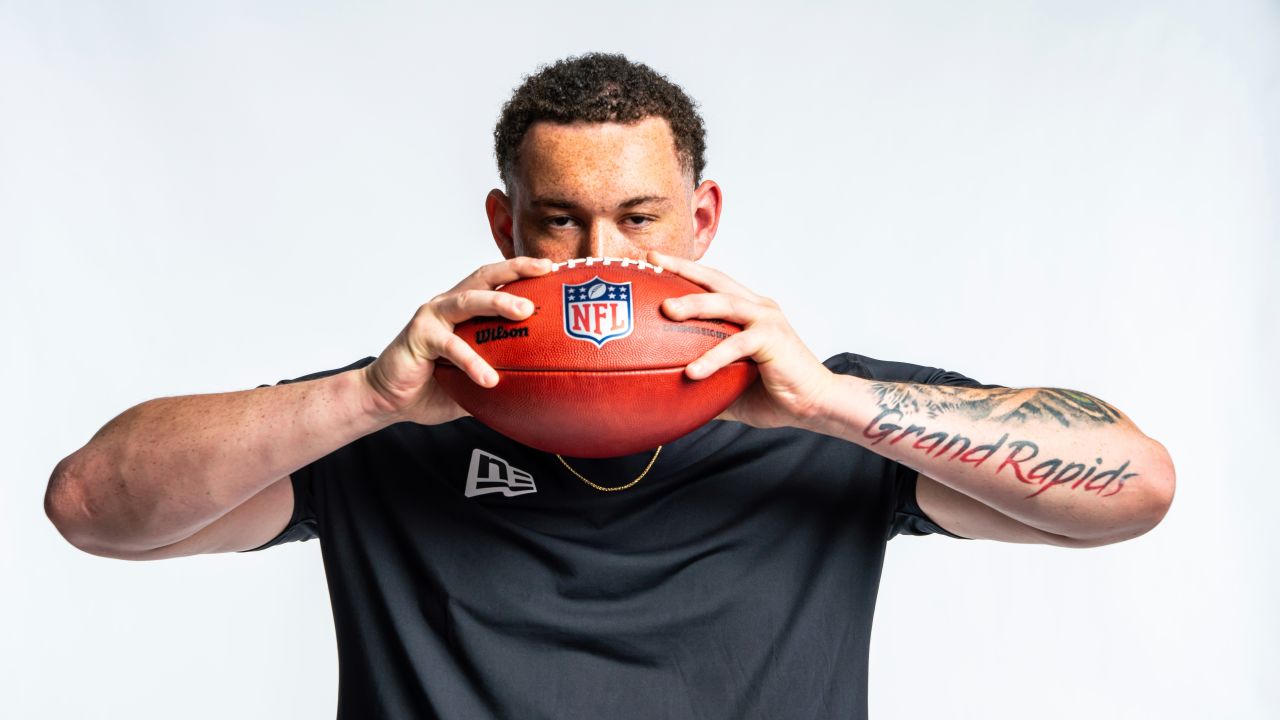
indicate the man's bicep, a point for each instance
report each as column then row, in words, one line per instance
column 962, row 515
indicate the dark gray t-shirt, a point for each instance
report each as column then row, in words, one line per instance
column 472, row 576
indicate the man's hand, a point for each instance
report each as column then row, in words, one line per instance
column 792, row 380
column 401, row 381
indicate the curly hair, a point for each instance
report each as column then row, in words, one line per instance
column 599, row 88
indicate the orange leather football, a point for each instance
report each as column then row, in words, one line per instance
column 597, row 370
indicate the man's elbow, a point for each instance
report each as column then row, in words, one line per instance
column 64, row 502
column 1159, row 489
column 67, row 505
column 1144, row 514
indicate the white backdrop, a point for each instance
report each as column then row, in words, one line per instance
column 197, row 197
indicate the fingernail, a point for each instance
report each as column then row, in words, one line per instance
column 695, row 368
column 524, row 306
column 490, row 378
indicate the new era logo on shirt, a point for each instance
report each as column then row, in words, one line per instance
column 491, row 474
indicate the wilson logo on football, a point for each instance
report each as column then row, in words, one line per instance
column 597, row 310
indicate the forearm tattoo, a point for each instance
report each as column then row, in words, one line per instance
column 999, row 404
column 1008, row 406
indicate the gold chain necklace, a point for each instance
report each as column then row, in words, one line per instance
column 602, row 488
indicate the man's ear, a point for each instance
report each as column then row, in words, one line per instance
column 708, row 201
column 498, row 207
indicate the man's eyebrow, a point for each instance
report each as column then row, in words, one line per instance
column 643, row 199
column 554, row 203
column 562, row 204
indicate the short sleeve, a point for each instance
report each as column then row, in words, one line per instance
column 303, row 521
column 908, row 518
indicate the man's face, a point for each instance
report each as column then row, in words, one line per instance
column 602, row 190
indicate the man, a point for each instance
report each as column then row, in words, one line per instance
column 732, row 573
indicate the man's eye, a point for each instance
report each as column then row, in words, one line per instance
column 560, row 221
column 638, row 220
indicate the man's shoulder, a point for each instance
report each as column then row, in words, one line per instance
column 326, row 373
column 871, row 368
column 864, row 366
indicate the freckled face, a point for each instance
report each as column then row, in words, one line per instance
column 603, row 190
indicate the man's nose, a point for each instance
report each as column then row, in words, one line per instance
column 605, row 240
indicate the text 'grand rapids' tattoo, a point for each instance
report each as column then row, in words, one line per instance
column 1001, row 405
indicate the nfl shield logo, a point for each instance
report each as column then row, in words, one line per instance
column 597, row 310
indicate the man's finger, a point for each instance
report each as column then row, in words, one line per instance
column 715, row 305
column 462, row 305
column 491, row 276
column 735, row 347
column 709, row 278
column 457, row 351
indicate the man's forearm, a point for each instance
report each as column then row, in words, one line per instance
column 163, row 470
column 1057, row 460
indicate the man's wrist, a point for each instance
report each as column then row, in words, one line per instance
column 836, row 411
column 368, row 408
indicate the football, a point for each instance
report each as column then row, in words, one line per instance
column 597, row 370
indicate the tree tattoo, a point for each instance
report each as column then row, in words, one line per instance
column 898, row 401
column 999, row 404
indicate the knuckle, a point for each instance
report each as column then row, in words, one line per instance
column 458, row 351
column 476, row 365
column 527, row 265
column 422, row 320
column 423, row 340
column 425, row 343
column 421, row 347
column 454, row 346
